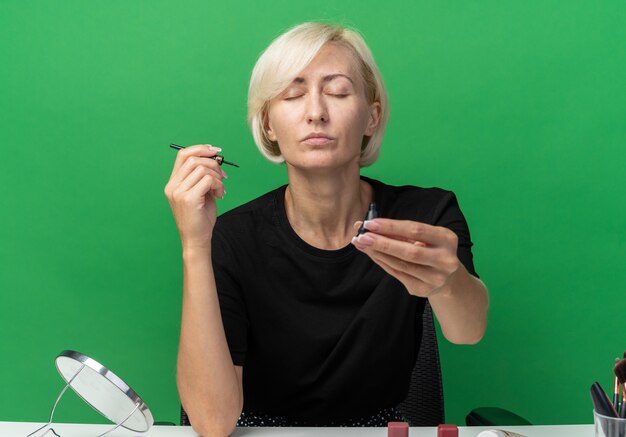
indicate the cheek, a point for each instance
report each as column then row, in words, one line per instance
column 356, row 119
column 279, row 122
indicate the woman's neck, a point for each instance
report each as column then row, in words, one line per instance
column 323, row 208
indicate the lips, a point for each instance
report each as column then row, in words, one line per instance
column 317, row 138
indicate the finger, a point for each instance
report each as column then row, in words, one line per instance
column 208, row 185
column 195, row 176
column 413, row 285
column 205, row 150
column 190, row 165
column 411, row 230
column 427, row 275
column 194, row 162
column 410, row 252
column 357, row 225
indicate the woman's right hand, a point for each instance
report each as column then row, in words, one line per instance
column 195, row 182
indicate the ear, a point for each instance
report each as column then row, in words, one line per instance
column 270, row 132
column 267, row 127
column 374, row 119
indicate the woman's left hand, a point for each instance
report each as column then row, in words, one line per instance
column 423, row 257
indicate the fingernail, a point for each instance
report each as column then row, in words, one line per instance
column 354, row 240
column 224, row 174
column 217, row 149
column 371, row 226
column 365, row 240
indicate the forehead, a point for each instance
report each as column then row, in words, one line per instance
column 332, row 59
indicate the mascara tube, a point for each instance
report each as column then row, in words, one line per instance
column 372, row 213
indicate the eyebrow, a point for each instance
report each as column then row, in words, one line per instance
column 326, row 78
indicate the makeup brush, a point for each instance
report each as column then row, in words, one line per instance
column 620, row 374
column 601, row 402
column 602, row 405
column 616, row 389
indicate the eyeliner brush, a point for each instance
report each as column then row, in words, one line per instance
column 220, row 159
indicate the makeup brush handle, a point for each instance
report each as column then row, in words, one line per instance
column 622, row 410
column 601, row 402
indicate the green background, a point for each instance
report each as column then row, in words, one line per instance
column 517, row 106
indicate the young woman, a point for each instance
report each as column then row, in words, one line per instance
column 288, row 318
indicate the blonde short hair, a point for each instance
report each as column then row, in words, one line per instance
column 286, row 57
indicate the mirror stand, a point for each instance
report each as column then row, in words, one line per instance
column 101, row 389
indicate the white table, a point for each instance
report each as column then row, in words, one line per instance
column 21, row 429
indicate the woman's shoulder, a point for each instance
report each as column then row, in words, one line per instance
column 412, row 202
column 409, row 193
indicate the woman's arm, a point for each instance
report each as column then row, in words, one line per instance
column 461, row 307
column 210, row 386
column 424, row 258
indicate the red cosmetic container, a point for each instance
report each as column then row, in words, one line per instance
column 447, row 431
column 397, row 429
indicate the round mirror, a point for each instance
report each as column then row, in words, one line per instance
column 104, row 391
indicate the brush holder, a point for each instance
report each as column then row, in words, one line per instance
column 606, row 426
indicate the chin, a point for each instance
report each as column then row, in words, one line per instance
column 322, row 159
column 324, row 164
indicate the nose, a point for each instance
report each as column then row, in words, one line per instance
column 316, row 111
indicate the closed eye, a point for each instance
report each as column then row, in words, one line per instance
column 292, row 97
